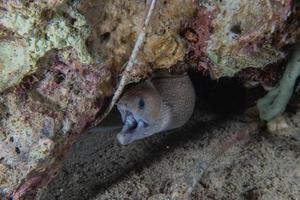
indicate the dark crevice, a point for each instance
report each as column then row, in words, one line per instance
column 101, row 162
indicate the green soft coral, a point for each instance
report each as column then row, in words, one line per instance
column 275, row 102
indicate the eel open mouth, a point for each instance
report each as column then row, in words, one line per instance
column 132, row 123
column 134, row 128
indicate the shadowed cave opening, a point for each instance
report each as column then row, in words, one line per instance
column 97, row 161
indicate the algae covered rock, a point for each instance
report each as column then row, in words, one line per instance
column 37, row 30
column 115, row 28
column 14, row 62
column 226, row 37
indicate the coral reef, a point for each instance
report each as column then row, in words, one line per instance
column 60, row 59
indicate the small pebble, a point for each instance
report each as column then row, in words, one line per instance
column 277, row 125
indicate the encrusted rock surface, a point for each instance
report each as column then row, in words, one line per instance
column 228, row 36
column 37, row 28
column 40, row 119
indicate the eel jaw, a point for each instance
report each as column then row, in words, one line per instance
column 133, row 128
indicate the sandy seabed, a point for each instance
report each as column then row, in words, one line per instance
column 264, row 166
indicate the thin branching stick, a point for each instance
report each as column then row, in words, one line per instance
column 125, row 79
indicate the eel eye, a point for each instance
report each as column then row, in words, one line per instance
column 141, row 104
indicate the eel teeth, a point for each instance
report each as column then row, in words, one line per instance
column 131, row 124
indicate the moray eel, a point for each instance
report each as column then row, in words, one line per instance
column 163, row 103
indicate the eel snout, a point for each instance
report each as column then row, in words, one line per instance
column 131, row 125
